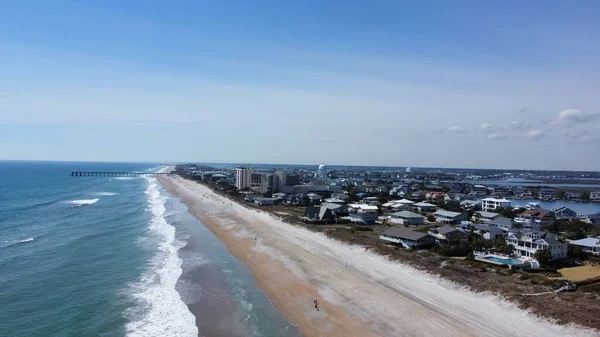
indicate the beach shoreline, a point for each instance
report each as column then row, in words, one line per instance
column 361, row 294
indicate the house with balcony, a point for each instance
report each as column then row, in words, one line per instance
column 565, row 213
column 527, row 243
column 450, row 218
column 501, row 191
column 484, row 217
column 407, row 218
column 593, row 218
column 547, row 194
column 595, row 196
column 434, row 196
column 479, row 190
column 447, row 234
column 491, row 204
column 588, row 245
column 572, row 196
column 362, row 208
column 363, row 218
column 407, row 238
column 533, row 219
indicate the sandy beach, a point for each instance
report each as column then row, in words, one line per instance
column 360, row 293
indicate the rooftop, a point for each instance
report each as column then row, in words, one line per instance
column 405, row 233
column 447, row 214
column 407, row 214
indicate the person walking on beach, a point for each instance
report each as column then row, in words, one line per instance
column 316, row 304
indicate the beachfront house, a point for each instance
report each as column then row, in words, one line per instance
column 595, row 196
column 337, row 209
column 447, row 234
column 318, row 215
column 407, row 238
column 450, row 218
column 527, row 243
column 313, row 197
column 485, row 230
column 363, row 218
column 279, row 196
column 264, row 201
column 588, row 245
column 424, row 207
column 483, row 216
column 434, row 196
column 407, row 218
column 501, row 223
column 565, row 213
column 593, row 218
column 491, row 204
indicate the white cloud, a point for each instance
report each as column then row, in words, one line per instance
column 571, row 117
column 581, row 136
column 485, row 127
column 456, row 128
column 534, row 134
column 497, row 136
column 519, row 125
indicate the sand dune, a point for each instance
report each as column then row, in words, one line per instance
column 361, row 293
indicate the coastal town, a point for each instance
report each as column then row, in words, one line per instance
column 527, row 223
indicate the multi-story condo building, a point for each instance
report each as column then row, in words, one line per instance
column 491, row 204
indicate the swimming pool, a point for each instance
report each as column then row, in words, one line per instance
column 508, row 261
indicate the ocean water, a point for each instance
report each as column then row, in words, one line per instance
column 94, row 256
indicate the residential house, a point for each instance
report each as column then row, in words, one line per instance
column 488, row 232
column 453, row 197
column 491, row 204
column 318, row 214
column 469, row 204
column 335, row 200
column 502, row 223
column 264, row 201
column 547, row 194
column 565, row 213
column 593, row 218
column 363, row 218
column 483, row 216
column 479, row 190
column 451, row 218
column 337, row 209
column 279, row 196
column 424, row 207
column 362, row 208
column 407, row 218
column 595, row 196
column 407, row 238
column 313, row 197
column 501, row 191
column 373, row 201
column 447, row 234
column 524, row 194
column 589, row 245
column 527, row 243
column 434, row 196
column 572, row 195
column 534, row 218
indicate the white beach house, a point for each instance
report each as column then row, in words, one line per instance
column 526, row 243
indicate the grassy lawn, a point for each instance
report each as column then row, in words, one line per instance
column 577, row 274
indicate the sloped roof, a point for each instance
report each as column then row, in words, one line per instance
column 501, row 222
column 424, row 204
column 447, row 214
column 407, row 214
column 405, row 233
column 446, row 229
column 487, row 215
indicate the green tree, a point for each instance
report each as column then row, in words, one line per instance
column 575, row 252
column 268, row 193
column 543, row 255
column 431, row 218
column 560, row 195
column 585, row 196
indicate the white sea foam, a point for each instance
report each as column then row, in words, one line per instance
column 161, row 311
column 124, row 178
column 83, row 202
column 26, row 240
column 107, row 194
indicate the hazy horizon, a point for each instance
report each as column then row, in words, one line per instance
column 425, row 84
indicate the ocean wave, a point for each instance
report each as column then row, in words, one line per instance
column 160, row 311
column 9, row 243
column 107, row 194
column 124, row 178
column 83, row 202
column 26, row 240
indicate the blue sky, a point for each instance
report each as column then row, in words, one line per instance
column 510, row 84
